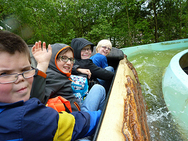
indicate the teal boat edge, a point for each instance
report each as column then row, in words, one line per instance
column 167, row 45
column 175, row 90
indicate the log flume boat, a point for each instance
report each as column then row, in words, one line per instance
column 175, row 88
column 124, row 115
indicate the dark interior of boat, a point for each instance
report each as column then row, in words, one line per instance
column 184, row 63
column 186, row 70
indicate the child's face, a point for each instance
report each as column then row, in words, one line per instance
column 64, row 63
column 104, row 50
column 86, row 52
column 20, row 89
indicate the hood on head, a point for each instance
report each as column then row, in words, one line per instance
column 56, row 49
column 78, row 44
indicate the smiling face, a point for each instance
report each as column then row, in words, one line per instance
column 20, row 89
column 104, row 47
column 66, row 67
column 104, row 50
column 86, row 52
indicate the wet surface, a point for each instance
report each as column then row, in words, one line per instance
column 150, row 68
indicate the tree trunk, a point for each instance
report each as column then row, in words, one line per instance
column 155, row 21
column 129, row 41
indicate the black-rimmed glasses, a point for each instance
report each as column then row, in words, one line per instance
column 66, row 59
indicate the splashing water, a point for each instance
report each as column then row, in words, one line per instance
column 150, row 67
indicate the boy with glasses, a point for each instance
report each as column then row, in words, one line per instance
column 103, row 49
column 27, row 119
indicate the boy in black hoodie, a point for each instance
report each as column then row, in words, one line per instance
column 82, row 53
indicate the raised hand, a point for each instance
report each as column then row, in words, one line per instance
column 42, row 55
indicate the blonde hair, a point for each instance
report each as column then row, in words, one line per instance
column 104, row 42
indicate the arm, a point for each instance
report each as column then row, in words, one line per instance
column 76, row 70
column 38, row 85
column 76, row 125
column 98, row 72
column 104, row 62
column 85, row 71
column 42, row 56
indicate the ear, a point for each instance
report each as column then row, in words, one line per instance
column 97, row 49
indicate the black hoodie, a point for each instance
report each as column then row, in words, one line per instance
column 96, row 72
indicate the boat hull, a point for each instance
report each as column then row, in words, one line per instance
column 175, row 88
column 161, row 46
column 125, row 115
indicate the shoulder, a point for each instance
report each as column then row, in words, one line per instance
column 100, row 56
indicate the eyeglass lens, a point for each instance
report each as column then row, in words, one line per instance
column 10, row 78
column 66, row 59
column 106, row 48
column 86, row 49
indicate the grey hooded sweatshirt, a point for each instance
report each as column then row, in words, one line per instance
column 57, row 82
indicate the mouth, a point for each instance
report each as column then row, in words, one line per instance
column 67, row 68
column 22, row 90
column 105, row 53
column 87, row 56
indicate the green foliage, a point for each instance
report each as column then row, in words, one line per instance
column 125, row 23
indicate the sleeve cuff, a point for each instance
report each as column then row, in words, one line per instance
column 40, row 73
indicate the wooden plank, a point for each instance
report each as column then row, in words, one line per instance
column 125, row 116
column 111, row 128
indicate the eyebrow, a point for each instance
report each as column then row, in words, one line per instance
column 86, row 48
column 11, row 70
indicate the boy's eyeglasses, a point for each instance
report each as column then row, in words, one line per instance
column 106, row 48
column 11, row 78
column 66, row 59
column 86, row 49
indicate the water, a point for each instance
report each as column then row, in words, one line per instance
column 150, row 67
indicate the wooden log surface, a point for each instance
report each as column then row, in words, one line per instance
column 125, row 116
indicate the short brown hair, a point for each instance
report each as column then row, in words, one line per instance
column 10, row 43
column 65, row 50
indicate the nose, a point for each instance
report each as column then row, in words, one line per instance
column 69, row 61
column 19, row 78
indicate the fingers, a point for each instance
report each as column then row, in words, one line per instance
column 88, row 73
column 39, row 45
column 34, row 47
column 49, row 48
column 44, row 45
